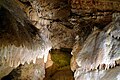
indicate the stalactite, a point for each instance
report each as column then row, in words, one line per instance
column 22, row 42
column 15, row 55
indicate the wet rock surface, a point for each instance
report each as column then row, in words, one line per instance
column 60, row 68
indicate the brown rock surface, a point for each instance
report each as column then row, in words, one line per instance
column 29, row 28
column 60, row 68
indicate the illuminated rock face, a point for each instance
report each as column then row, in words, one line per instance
column 28, row 71
column 62, row 29
column 100, row 53
column 29, row 28
column 111, row 74
column 20, row 41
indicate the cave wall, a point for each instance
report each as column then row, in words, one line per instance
column 99, row 56
column 20, row 41
column 88, row 29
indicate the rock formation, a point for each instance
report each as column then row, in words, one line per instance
column 99, row 55
column 59, row 39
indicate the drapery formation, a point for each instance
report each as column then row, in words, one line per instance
column 20, row 41
column 100, row 53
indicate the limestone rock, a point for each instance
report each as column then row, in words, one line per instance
column 20, row 41
column 100, row 52
column 28, row 72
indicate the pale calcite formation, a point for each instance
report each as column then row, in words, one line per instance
column 61, row 21
column 111, row 74
column 20, row 41
column 100, row 53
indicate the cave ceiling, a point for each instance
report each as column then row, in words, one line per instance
column 77, row 13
